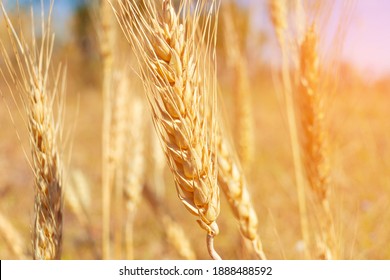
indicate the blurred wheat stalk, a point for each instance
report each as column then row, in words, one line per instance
column 12, row 238
column 278, row 12
column 107, row 52
column 37, row 89
column 314, row 142
column 306, row 114
column 244, row 124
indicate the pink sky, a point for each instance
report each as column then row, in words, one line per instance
column 368, row 41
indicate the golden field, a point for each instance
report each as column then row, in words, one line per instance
column 356, row 125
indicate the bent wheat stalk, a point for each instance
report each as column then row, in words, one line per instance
column 32, row 79
column 180, row 87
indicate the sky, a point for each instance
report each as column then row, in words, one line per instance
column 368, row 41
column 366, row 44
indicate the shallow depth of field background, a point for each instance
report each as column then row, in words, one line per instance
column 358, row 121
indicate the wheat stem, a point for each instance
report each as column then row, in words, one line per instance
column 210, row 246
column 106, row 46
column 135, row 166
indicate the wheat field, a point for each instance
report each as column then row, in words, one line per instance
column 161, row 129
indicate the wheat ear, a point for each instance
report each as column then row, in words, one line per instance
column 234, row 186
column 178, row 88
column 314, row 141
column 32, row 79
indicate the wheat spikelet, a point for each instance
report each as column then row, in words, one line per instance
column 314, row 140
column 177, row 89
column 12, row 238
column 31, row 77
column 235, row 188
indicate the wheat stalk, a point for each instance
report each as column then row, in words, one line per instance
column 175, row 235
column 177, row 238
column 106, row 48
column 235, row 188
column 278, row 12
column 134, row 178
column 157, row 163
column 77, row 197
column 31, row 77
column 314, row 140
column 12, row 237
column 177, row 86
column 300, row 20
column 242, row 96
column 121, row 140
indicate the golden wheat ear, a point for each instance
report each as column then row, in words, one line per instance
column 174, row 51
column 314, row 138
column 32, row 77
